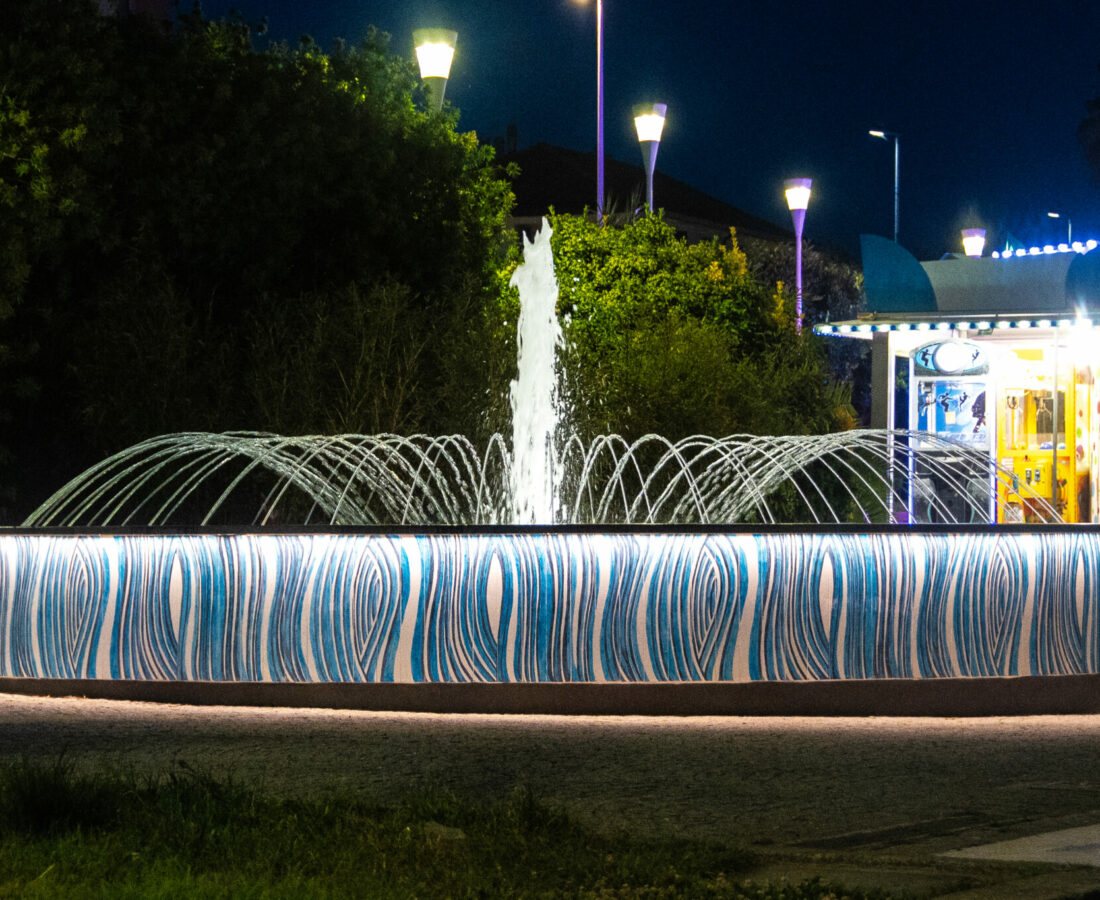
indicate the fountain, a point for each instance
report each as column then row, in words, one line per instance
column 386, row 559
column 535, row 403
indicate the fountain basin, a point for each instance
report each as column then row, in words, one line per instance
column 541, row 605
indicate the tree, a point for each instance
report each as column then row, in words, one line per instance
column 190, row 222
column 832, row 291
column 679, row 339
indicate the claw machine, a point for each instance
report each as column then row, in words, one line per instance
column 1044, row 438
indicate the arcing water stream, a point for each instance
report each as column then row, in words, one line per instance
column 262, row 479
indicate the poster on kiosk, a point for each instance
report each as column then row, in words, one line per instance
column 948, row 398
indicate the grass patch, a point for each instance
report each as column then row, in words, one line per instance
column 186, row 834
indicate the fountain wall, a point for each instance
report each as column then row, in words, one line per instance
column 542, row 605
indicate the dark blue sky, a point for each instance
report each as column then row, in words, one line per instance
column 987, row 98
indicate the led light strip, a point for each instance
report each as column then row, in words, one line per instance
column 969, row 325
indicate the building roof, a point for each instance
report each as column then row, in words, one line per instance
column 1036, row 284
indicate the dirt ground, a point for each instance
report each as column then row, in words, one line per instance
column 871, row 800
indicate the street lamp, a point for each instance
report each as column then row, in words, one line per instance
column 649, row 122
column 973, row 241
column 599, row 109
column 798, row 198
column 886, row 135
column 435, row 50
column 1069, row 226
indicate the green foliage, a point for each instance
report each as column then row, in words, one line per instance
column 679, row 339
column 614, row 279
column 190, row 223
column 832, row 291
column 187, row 834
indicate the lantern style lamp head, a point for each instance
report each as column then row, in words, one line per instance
column 798, row 193
column 649, row 122
column 973, row 241
column 435, row 51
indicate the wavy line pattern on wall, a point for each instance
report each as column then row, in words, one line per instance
column 539, row 607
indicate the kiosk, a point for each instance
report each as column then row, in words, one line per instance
column 998, row 353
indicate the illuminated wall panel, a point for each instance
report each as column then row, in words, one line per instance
column 545, row 607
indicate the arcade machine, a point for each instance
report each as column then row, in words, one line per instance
column 949, row 385
column 1045, row 434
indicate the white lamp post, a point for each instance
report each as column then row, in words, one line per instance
column 973, row 241
column 886, row 135
column 798, row 198
column 435, row 51
column 649, row 122
column 1069, row 226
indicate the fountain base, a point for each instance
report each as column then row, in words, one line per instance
column 547, row 607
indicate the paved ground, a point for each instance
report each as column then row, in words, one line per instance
column 868, row 800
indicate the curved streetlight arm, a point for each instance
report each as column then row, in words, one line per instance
column 1069, row 226
column 892, row 135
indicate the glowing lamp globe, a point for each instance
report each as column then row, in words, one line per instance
column 973, row 241
column 649, row 120
column 435, row 51
column 798, row 193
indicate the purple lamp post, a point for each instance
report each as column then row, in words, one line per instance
column 649, row 122
column 798, row 198
column 599, row 109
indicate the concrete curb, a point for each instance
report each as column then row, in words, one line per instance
column 945, row 697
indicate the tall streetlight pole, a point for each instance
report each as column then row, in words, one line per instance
column 649, row 122
column 435, row 50
column 798, row 198
column 886, row 135
column 1069, row 226
column 599, row 109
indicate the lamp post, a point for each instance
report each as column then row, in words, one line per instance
column 886, row 135
column 1069, row 226
column 649, row 122
column 599, row 109
column 798, row 198
column 435, row 50
column 973, row 241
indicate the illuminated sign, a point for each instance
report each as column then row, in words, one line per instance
column 950, row 358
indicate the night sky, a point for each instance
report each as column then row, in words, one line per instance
column 986, row 97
